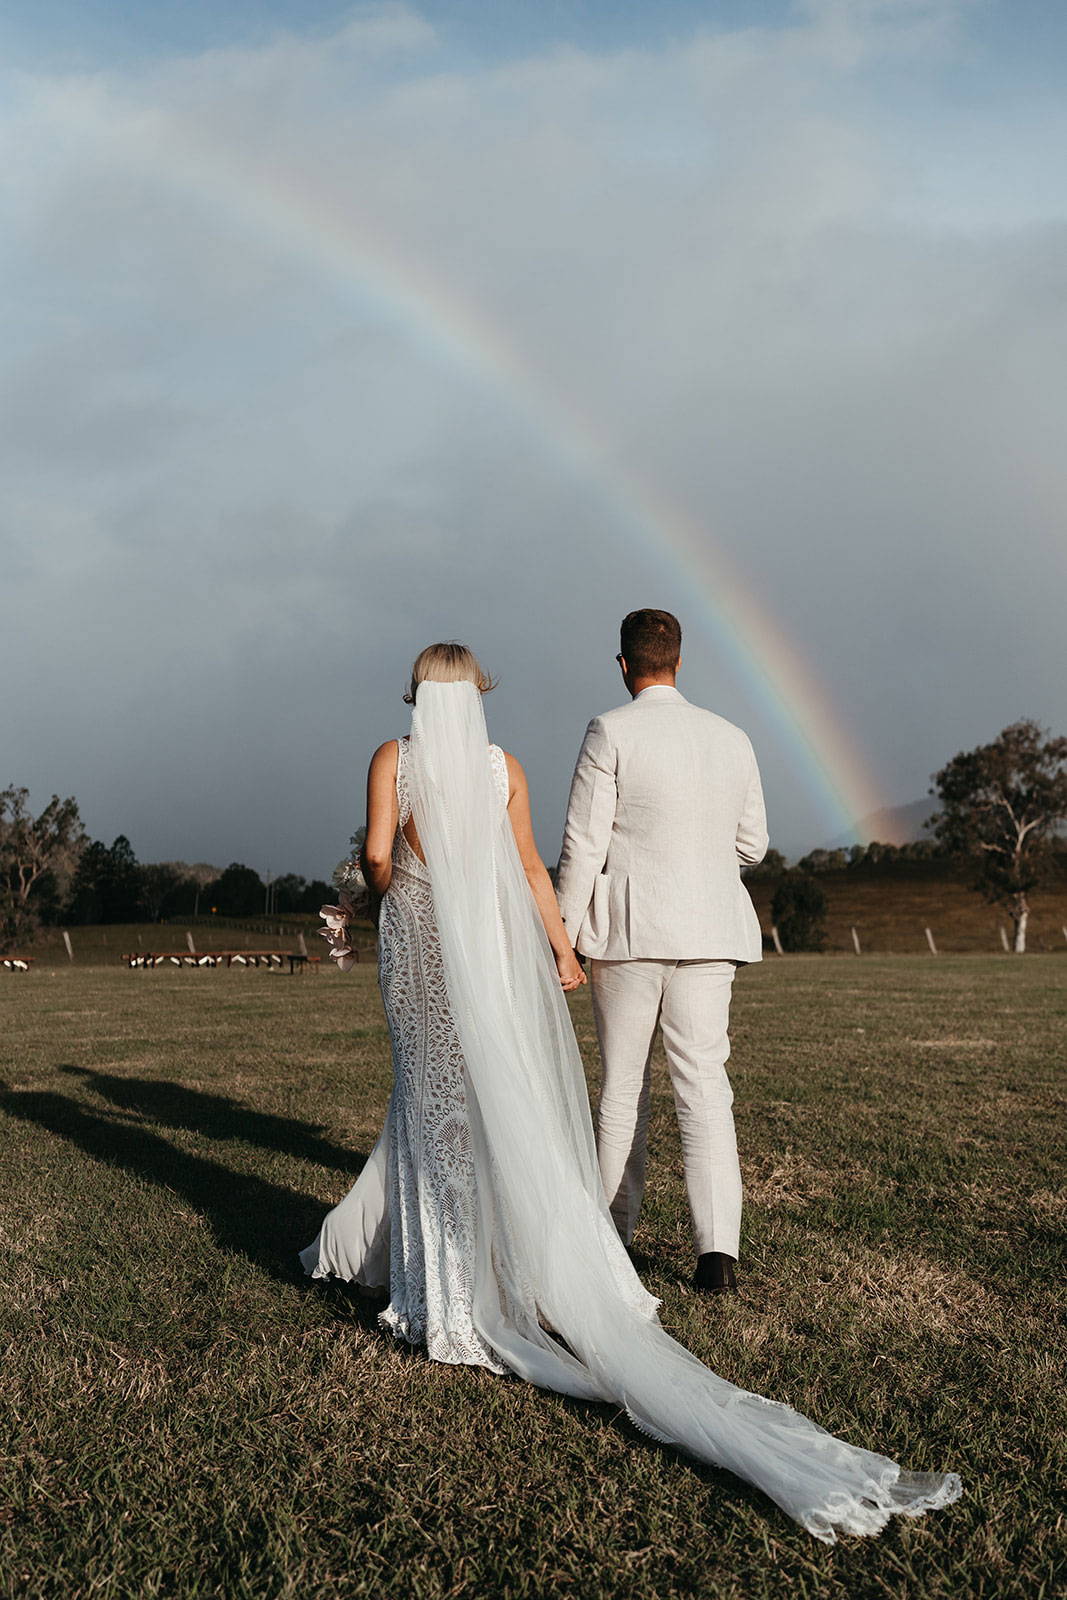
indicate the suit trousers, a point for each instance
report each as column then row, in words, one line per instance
column 690, row 1002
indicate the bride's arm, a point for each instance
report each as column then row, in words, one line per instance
column 376, row 857
column 570, row 972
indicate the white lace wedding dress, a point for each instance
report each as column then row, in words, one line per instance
column 432, row 1202
column 411, row 1219
column 481, row 1205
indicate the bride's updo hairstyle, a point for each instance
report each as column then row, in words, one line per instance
column 447, row 663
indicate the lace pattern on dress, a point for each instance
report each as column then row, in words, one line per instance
column 431, row 1173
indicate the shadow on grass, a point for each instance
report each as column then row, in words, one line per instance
column 172, row 1105
column 267, row 1224
column 249, row 1216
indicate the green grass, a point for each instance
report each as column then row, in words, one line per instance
column 182, row 1414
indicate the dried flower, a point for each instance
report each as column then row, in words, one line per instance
column 337, row 919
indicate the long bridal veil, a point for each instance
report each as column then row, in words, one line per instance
column 555, row 1294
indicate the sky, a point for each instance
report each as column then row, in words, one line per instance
column 327, row 331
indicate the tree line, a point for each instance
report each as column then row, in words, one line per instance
column 51, row 872
column 874, row 856
column 111, row 885
column 1002, row 811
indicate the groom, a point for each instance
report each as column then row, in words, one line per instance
column 665, row 806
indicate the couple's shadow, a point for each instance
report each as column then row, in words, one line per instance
column 250, row 1216
column 172, row 1105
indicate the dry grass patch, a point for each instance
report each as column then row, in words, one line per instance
column 793, row 1179
column 1050, row 1207
column 902, row 1290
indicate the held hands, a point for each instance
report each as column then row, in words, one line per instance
column 571, row 975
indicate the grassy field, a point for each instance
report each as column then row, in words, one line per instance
column 182, row 1414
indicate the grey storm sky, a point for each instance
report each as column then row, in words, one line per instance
column 329, row 333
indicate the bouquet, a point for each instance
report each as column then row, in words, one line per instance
column 353, row 901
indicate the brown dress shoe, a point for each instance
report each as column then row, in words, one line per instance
column 714, row 1273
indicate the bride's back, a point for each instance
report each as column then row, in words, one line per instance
column 406, row 829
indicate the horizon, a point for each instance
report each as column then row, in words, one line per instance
column 269, row 876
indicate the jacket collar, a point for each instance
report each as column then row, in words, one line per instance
column 658, row 691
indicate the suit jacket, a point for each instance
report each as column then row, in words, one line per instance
column 665, row 807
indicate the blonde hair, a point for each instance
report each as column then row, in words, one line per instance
column 447, row 663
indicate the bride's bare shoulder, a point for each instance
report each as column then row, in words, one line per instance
column 516, row 774
column 384, row 759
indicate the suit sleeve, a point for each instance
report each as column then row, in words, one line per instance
column 587, row 833
column 752, row 838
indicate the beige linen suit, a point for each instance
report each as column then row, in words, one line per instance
column 665, row 807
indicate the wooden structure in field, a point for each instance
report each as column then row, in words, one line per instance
column 297, row 959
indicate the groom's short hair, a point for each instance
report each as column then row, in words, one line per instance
column 650, row 641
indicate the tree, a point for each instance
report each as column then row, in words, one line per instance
column 823, row 861
column 34, row 850
column 123, row 888
column 1001, row 807
column 86, row 890
column 200, row 873
column 772, row 866
column 108, row 885
column 194, row 888
column 287, row 892
column 798, row 909
column 316, row 894
column 239, row 892
column 161, row 889
column 919, row 850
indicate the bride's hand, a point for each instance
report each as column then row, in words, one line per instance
column 571, row 974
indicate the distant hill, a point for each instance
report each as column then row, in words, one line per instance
column 892, row 907
column 891, row 825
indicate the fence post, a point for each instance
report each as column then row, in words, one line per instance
column 66, row 941
column 303, row 945
column 856, row 942
column 1004, row 939
column 189, row 942
column 777, row 941
column 930, row 942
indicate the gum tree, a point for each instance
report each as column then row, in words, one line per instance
column 33, row 849
column 1001, row 807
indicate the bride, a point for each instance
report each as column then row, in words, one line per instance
column 480, row 1206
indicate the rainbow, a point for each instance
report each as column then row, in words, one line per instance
column 332, row 240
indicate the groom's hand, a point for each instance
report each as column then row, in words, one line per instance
column 569, row 967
